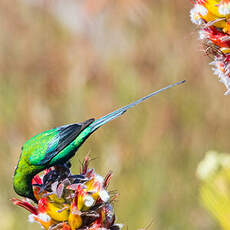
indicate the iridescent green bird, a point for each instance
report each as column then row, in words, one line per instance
column 57, row 146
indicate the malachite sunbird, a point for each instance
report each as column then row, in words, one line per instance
column 58, row 145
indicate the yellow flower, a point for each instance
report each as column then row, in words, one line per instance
column 213, row 7
column 75, row 220
column 58, row 212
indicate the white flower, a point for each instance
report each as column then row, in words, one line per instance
column 225, row 160
column 42, row 216
column 99, row 178
column 104, row 195
column 224, row 9
column 212, row 162
column 208, row 166
column 222, row 71
column 203, row 34
column 195, row 13
column 89, row 201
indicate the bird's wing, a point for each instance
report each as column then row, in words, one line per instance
column 57, row 141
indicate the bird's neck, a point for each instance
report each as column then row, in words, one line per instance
column 23, row 183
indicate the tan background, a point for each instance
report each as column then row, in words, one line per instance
column 67, row 61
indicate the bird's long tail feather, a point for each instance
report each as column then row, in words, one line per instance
column 101, row 121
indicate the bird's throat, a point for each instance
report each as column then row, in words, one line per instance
column 23, row 184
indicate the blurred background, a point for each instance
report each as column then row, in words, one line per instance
column 67, row 61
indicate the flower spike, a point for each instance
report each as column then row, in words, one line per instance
column 212, row 16
column 69, row 202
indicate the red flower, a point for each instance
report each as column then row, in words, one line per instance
column 25, row 205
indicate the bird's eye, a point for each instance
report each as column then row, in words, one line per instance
column 22, row 148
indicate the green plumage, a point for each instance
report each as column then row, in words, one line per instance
column 37, row 149
column 56, row 146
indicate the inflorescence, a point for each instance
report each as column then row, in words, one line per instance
column 69, row 202
column 213, row 19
